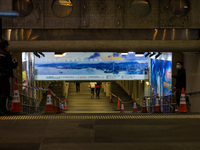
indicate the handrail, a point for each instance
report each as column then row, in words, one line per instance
column 191, row 93
column 147, row 97
column 36, row 88
column 28, row 96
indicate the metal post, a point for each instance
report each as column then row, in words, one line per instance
column 1, row 35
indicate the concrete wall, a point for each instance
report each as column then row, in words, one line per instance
column 134, row 88
column 192, row 67
column 104, row 14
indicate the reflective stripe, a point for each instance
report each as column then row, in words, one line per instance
column 182, row 99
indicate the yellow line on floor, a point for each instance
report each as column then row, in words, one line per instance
column 107, row 117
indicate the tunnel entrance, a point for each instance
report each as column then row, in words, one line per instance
column 130, row 74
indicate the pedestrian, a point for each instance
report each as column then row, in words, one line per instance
column 98, row 86
column 92, row 86
column 180, row 81
column 6, row 71
column 77, row 86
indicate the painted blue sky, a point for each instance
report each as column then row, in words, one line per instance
column 94, row 57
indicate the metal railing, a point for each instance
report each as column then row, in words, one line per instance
column 31, row 105
column 166, row 103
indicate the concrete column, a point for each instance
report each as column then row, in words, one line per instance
column 146, row 89
column 192, row 69
column 40, row 92
column 108, row 89
column 135, row 90
column 124, row 85
column 141, row 88
column 121, row 83
column 65, row 89
column 104, row 87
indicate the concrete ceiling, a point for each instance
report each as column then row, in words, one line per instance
column 106, row 14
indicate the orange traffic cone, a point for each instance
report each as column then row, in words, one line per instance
column 157, row 105
column 135, row 107
column 118, row 104
column 144, row 108
column 65, row 107
column 66, row 100
column 61, row 107
column 49, row 106
column 122, row 108
column 110, row 100
column 182, row 106
column 16, row 105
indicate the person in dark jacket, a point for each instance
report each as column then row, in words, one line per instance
column 6, row 71
column 77, row 86
column 180, row 80
column 98, row 86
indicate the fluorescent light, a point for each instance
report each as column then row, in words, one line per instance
column 56, row 55
column 139, row 55
column 147, row 82
column 64, row 54
column 124, row 53
column 131, row 52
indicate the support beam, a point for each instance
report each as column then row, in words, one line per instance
column 106, row 46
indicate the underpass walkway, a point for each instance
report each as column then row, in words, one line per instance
column 81, row 102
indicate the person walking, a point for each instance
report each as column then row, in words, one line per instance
column 92, row 87
column 77, row 86
column 6, row 71
column 98, row 86
column 180, row 81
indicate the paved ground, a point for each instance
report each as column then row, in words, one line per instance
column 101, row 132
